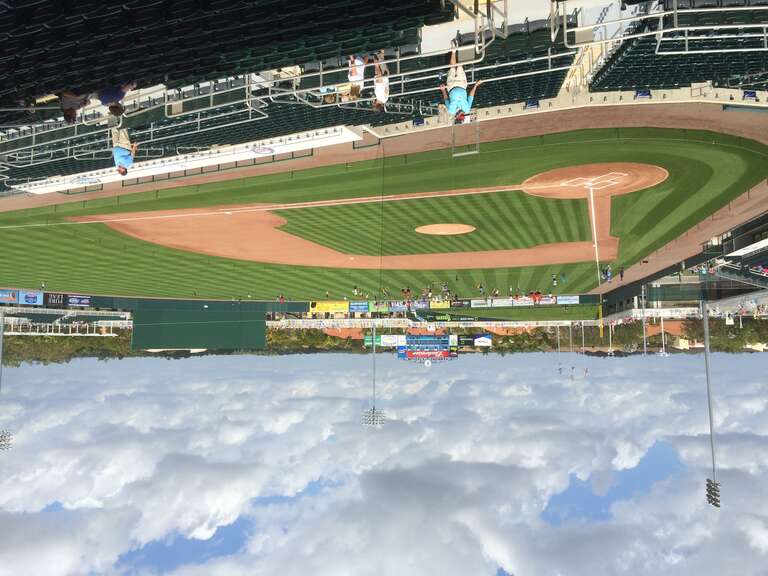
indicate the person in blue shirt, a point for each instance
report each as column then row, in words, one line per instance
column 123, row 150
column 457, row 102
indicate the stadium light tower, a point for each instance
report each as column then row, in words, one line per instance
column 663, row 339
column 2, row 329
column 6, row 440
column 5, row 436
column 713, row 486
column 373, row 417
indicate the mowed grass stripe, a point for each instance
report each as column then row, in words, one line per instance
column 499, row 224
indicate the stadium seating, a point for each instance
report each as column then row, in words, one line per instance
column 50, row 45
column 636, row 65
column 526, row 41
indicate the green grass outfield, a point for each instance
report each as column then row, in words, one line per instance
column 707, row 170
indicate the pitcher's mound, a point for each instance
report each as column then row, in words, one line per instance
column 445, row 229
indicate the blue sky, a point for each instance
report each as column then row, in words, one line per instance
column 258, row 465
column 168, row 554
column 580, row 503
column 165, row 556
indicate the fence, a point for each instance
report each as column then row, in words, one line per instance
column 212, row 169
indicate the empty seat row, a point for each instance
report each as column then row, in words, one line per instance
column 637, row 65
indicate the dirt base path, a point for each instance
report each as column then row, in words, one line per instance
column 252, row 232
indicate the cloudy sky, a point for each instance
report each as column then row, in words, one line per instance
column 487, row 466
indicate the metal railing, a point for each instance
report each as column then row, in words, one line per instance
column 256, row 92
column 660, row 15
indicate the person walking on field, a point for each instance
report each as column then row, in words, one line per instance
column 123, row 150
column 454, row 94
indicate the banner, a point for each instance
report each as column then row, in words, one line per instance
column 358, row 306
column 547, row 300
column 374, row 306
column 439, row 304
column 567, row 299
column 77, row 301
column 331, row 306
column 389, row 340
column 524, row 301
column 428, row 354
column 484, row 341
column 501, row 302
column 54, row 300
column 9, row 296
column 420, row 304
column 30, row 298
column 480, row 303
column 460, row 304
column 383, row 340
column 398, row 306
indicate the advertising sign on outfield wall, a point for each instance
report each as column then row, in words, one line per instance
column 54, row 300
column 421, row 304
column 383, row 340
column 439, row 304
column 479, row 303
column 398, row 306
column 567, row 299
column 483, row 341
column 389, row 340
column 331, row 306
column 375, row 306
column 524, row 301
column 501, row 302
column 460, row 303
column 9, row 296
column 30, row 298
column 547, row 300
column 77, row 301
column 358, row 306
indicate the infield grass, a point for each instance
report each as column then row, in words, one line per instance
column 707, row 170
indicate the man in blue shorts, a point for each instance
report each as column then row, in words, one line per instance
column 455, row 96
column 122, row 150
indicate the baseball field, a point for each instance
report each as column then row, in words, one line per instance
column 509, row 217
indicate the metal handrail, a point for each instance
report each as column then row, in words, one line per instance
column 290, row 93
column 660, row 16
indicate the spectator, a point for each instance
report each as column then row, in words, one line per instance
column 356, row 76
column 123, row 151
column 455, row 94
column 380, row 82
column 113, row 96
column 70, row 103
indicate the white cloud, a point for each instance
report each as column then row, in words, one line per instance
column 140, row 450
